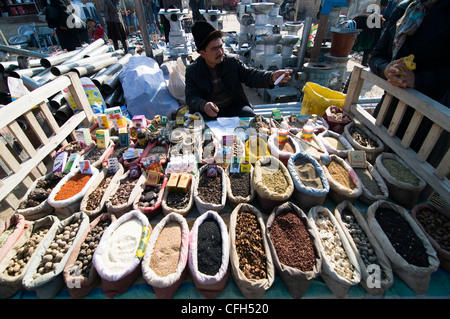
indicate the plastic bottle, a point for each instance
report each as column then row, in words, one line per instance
column 308, row 131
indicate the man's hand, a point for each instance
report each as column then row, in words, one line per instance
column 211, row 109
column 278, row 73
column 399, row 75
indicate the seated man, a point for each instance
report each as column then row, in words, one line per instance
column 214, row 80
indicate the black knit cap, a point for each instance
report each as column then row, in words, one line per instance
column 203, row 33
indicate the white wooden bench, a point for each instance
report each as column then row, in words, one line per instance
column 24, row 170
column 424, row 107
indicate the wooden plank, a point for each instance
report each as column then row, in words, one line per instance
column 23, row 140
column 15, row 109
column 12, row 181
column 412, row 129
column 429, row 142
column 11, row 199
column 11, row 162
column 435, row 111
column 36, row 127
column 424, row 170
column 383, row 108
column 397, row 118
column 443, row 169
column 354, row 88
column 49, row 117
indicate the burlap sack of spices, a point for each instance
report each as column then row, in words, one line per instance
column 234, row 199
column 118, row 256
column 36, row 194
column 200, row 202
column 311, row 185
column 380, row 277
column 251, row 264
column 180, row 203
column 209, row 269
column 99, row 191
column 433, row 220
column 47, row 284
column 344, row 183
column 272, row 183
column 10, row 231
column 78, row 284
column 423, row 260
column 364, row 140
column 294, row 248
column 67, row 201
column 403, row 183
column 164, row 266
column 340, row 269
column 23, row 250
column 122, row 194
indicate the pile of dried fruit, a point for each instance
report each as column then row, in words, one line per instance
column 123, row 192
column 42, row 190
column 96, row 196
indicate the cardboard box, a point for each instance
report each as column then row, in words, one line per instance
column 357, row 159
column 139, row 121
column 83, row 136
column 60, row 161
column 103, row 138
column 184, row 182
column 153, row 178
column 172, row 183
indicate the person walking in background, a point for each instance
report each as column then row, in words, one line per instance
column 114, row 24
column 60, row 15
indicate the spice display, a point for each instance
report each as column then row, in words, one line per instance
column 209, row 245
column 292, row 242
column 362, row 138
column 210, row 188
column 307, row 173
column 400, row 172
column 368, row 180
column 287, row 147
column 436, row 224
column 96, row 196
column 83, row 264
column 94, row 154
column 333, row 248
column 42, row 190
column 340, row 175
column 402, row 237
column 149, row 196
column 240, row 184
column 335, row 143
column 72, row 186
column 365, row 249
column 22, row 257
column 58, row 248
column 123, row 192
column 274, row 179
column 122, row 245
column 178, row 200
column 249, row 246
column 166, row 252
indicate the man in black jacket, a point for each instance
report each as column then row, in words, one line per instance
column 427, row 36
column 214, row 80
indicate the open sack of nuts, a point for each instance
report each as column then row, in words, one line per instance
column 210, row 192
column 34, row 204
column 250, row 257
column 295, row 249
column 340, row 269
column 435, row 222
column 376, row 270
column 94, row 200
column 164, row 266
column 17, row 261
column 272, row 182
column 412, row 256
column 10, row 231
column 45, row 274
column 66, row 197
column 79, row 274
column 209, row 252
column 118, row 256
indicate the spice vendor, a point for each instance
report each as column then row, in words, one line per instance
column 214, row 80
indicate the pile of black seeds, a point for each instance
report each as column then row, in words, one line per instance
column 209, row 253
column 240, row 184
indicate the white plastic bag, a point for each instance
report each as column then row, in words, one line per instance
column 177, row 81
column 145, row 89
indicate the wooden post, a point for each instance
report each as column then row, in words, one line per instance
column 321, row 29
